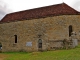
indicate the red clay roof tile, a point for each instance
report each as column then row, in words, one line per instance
column 53, row 10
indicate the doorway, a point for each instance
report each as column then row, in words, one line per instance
column 40, row 45
column 0, row 47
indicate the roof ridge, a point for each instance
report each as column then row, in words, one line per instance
column 34, row 8
column 70, row 7
column 52, row 10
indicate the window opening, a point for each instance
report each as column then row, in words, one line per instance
column 15, row 38
column 70, row 30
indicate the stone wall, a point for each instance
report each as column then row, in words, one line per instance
column 30, row 31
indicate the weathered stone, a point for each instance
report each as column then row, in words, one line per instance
column 50, row 29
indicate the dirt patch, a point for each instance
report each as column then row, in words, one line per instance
column 3, row 56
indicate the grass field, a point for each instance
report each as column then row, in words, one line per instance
column 71, row 54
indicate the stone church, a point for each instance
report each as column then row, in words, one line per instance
column 39, row 29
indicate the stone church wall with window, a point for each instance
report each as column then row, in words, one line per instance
column 25, row 35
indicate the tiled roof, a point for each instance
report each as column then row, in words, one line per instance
column 53, row 10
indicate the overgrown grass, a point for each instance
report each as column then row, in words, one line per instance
column 71, row 54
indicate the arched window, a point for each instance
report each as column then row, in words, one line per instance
column 70, row 30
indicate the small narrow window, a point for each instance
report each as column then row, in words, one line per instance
column 15, row 38
column 70, row 30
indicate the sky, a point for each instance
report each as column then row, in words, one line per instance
column 10, row 6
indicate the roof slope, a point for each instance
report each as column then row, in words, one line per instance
column 53, row 10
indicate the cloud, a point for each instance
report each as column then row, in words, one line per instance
column 4, row 9
column 76, row 5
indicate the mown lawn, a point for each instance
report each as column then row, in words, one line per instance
column 71, row 54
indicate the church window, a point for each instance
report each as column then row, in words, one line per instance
column 15, row 38
column 70, row 30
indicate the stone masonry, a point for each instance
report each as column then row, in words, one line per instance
column 49, row 30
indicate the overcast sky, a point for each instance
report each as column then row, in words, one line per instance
column 9, row 6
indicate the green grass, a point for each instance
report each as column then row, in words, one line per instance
column 71, row 54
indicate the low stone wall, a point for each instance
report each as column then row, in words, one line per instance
column 62, row 44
